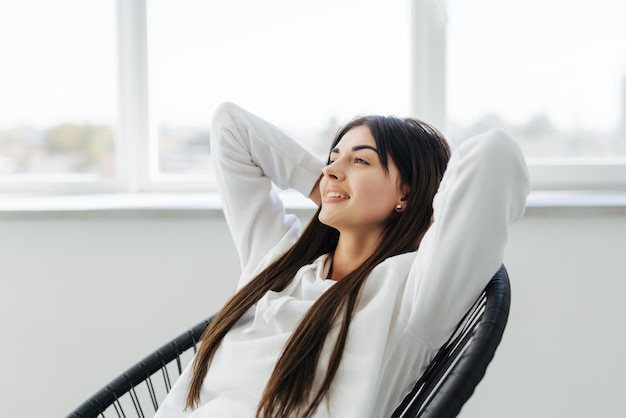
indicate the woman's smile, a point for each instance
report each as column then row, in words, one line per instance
column 334, row 195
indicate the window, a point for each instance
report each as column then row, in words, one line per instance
column 306, row 67
column 552, row 73
column 58, row 90
column 132, row 84
column 117, row 95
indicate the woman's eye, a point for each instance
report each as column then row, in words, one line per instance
column 355, row 160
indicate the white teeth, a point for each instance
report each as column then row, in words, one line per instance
column 337, row 194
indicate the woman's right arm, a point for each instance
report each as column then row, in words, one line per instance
column 249, row 155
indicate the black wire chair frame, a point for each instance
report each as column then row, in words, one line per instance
column 442, row 390
column 460, row 364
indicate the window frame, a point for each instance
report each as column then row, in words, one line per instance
column 546, row 174
column 136, row 156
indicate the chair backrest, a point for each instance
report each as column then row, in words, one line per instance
column 441, row 391
column 460, row 364
column 143, row 387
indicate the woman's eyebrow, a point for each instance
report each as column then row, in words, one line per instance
column 356, row 148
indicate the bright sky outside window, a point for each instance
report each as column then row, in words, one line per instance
column 553, row 73
column 307, row 67
column 58, row 87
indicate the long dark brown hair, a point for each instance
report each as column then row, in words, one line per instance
column 421, row 154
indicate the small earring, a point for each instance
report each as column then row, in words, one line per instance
column 398, row 208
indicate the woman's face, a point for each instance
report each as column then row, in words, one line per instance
column 357, row 193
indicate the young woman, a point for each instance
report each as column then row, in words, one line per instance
column 340, row 319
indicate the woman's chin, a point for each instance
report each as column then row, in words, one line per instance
column 327, row 220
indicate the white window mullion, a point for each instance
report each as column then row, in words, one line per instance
column 428, row 61
column 132, row 145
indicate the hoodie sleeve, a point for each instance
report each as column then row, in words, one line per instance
column 250, row 156
column 483, row 191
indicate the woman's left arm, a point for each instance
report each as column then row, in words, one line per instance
column 483, row 191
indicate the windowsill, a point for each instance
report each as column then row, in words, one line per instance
column 207, row 205
column 126, row 205
column 577, row 203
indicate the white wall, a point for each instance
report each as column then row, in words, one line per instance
column 563, row 351
column 83, row 298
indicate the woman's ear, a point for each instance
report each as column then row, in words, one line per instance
column 405, row 192
column 400, row 207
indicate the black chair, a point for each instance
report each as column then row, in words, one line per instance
column 457, row 368
column 441, row 391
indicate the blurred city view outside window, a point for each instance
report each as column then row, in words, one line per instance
column 552, row 73
column 57, row 87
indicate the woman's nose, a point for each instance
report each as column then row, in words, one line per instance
column 332, row 171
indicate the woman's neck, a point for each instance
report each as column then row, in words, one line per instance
column 350, row 253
